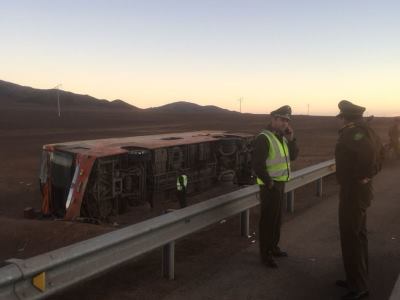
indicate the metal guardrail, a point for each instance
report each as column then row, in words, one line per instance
column 49, row 273
column 395, row 295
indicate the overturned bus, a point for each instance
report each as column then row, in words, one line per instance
column 101, row 178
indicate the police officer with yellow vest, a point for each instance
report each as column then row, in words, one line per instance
column 358, row 155
column 274, row 148
column 181, row 185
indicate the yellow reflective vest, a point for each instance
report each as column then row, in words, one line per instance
column 179, row 187
column 278, row 160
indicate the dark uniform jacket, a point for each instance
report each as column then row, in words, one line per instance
column 260, row 154
column 358, row 153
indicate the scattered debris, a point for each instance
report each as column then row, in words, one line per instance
column 29, row 213
column 23, row 246
column 85, row 220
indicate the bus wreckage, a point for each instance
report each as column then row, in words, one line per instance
column 100, row 178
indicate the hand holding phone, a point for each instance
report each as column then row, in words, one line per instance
column 289, row 134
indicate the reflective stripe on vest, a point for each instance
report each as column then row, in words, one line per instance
column 278, row 160
column 178, row 184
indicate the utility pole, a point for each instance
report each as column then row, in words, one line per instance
column 308, row 109
column 240, row 104
column 58, row 98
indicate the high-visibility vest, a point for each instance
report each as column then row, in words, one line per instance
column 179, row 187
column 278, row 160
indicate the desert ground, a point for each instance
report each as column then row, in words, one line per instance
column 23, row 131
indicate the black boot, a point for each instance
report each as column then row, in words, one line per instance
column 269, row 261
column 355, row 295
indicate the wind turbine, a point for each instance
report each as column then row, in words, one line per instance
column 58, row 98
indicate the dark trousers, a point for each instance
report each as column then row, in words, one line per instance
column 270, row 218
column 181, row 198
column 354, row 201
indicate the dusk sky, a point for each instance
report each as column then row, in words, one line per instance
column 150, row 53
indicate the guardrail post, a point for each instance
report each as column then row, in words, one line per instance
column 244, row 223
column 319, row 187
column 10, row 274
column 290, row 201
column 168, row 261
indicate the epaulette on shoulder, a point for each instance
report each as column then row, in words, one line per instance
column 346, row 127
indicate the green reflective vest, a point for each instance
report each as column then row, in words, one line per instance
column 278, row 160
column 179, row 187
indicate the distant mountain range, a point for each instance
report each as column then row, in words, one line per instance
column 12, row 94
column 188, row 107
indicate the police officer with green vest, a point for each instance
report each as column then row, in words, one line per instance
column 181, row 185
column 274, row 148
column 358, row 155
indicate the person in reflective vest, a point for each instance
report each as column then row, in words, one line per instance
column 274, row 148
column 181, row 185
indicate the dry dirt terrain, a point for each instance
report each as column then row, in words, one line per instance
column 23, row 131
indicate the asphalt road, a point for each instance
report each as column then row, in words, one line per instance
column 219, row 264
column 314, row 264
